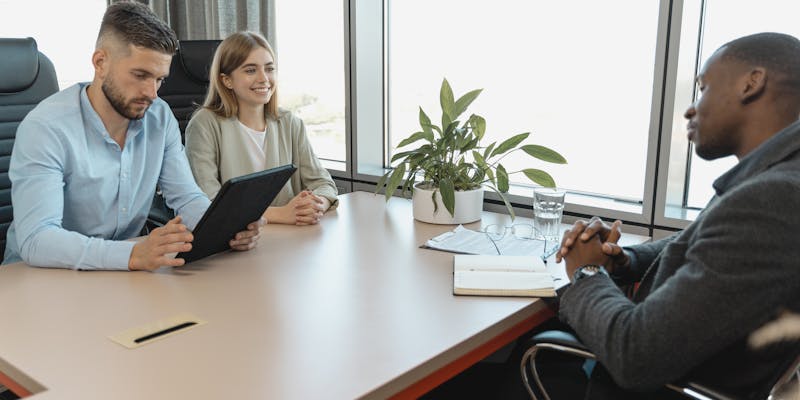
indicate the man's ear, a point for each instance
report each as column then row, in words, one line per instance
column 754, row 85
column 100, row 61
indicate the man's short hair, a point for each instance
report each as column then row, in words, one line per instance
column 134, row 23
column 777, row 52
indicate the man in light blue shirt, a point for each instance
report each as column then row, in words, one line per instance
column 87, row 160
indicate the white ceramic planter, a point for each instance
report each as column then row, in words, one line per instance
column 469, row 205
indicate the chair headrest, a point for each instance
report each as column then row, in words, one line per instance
column 20, row 64
column 196, row 56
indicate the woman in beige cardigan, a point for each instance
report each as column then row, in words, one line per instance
column 240, row 130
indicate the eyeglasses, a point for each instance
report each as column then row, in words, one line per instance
column 497, row 232
column 519, row 231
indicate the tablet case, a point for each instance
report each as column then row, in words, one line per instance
column 240, row 201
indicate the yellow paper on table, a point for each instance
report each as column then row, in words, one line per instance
column 156, row 330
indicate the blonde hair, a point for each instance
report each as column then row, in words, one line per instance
column 231, row 54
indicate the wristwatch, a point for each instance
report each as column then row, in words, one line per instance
column 587, row 271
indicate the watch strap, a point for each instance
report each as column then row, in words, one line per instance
column 588, row 270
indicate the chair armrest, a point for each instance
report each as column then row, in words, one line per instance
column 559, row 338
column 567, row 343
column 548, row 340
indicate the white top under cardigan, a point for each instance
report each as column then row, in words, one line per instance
column 218, row 149
column 258, row 159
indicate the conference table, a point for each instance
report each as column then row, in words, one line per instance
column 349, row 308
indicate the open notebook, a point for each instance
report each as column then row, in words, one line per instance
column 478, row 275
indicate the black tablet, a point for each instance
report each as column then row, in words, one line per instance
column 240, row 201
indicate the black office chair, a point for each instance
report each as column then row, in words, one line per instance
column 26, row 78
column 184, row 90
column 782, row 369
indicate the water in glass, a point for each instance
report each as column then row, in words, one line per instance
column 548, row 208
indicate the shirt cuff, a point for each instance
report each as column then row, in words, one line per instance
column 193, row 212
column 117, row 254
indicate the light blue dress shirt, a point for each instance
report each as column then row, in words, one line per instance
column 77, row 195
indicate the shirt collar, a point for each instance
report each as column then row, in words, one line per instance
column 775, row 149
column 95, row 124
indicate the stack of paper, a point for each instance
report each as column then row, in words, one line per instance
column 466, row 241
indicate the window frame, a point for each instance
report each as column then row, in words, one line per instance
column 671, row 209
column 370, row 18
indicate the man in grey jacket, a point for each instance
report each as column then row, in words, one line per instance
column 703, row 290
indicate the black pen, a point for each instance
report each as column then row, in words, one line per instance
column 164, row 332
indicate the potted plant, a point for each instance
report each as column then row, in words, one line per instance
column 453, row 163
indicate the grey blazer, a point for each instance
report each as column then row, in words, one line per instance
column 703, row 290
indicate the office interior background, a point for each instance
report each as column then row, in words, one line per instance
column 603, row 83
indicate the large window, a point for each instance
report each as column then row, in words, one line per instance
column 65, row 31
column 311, row 66
column 604, row 83
column 579, row 76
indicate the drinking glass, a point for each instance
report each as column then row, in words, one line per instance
column 548, row 208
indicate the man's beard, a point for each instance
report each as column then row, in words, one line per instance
column 120, row 105
column 712, row 149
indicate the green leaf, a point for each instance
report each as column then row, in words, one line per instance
column 394, row 181
column 502, row 178
column 450, row 128
column 414, row 159
column 424, row 121
column 421, row 151
column 508, row 205
column 458, row 139
column 447, row 123
column 448, row 195
column 381, row 183
column 490, row 173
column 505, row 201
column 434, row 127
column 403, row 154
column 510, row 143
column 416, row 136
column 408, row 185
column 544, row 154
column 446, row 100
column 478, row 125
column 469, row 145
column 540, row 177
column 435, row 203
column 427, row 148
column 478, row 176
column 488, row 150
column 464, row 101
column 478, row 159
